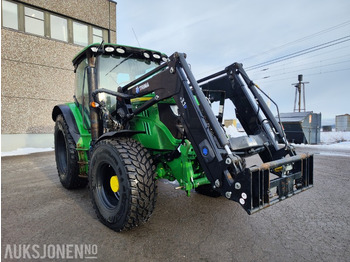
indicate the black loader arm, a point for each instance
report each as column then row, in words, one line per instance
column 251, row 110
column 283, row 173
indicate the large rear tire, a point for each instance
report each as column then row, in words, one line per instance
column 122, row 183
column 66, row 156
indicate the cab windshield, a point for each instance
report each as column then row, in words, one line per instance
column 116, row 71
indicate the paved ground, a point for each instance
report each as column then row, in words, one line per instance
column 312, row 226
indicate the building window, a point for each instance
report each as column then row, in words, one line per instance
column 33, row 21
column 58, row 28
column 24, row 18
column 80, row 34
column 9, row 15
column 97, row 36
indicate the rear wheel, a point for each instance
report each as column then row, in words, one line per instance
column 122, row 183
column 66, row 156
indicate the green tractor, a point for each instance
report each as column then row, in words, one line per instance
column 139, row 116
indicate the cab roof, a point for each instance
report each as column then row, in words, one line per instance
column 119, row 50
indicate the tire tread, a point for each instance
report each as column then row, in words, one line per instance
column 141, row 175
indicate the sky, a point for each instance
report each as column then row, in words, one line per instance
column 275, row 40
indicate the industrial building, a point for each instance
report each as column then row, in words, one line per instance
column 38, row 42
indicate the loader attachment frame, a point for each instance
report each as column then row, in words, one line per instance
column 220, row 158
column 260, row 187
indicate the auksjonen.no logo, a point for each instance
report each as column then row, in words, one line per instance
column 51, row 251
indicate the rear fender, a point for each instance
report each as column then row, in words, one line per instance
column 70, row 120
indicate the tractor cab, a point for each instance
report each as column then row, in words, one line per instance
column 115, row 66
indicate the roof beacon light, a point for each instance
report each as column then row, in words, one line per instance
column 147, row 55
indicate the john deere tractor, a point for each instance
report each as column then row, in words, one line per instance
column 139, row 116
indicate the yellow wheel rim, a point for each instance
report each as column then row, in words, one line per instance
column 114, row 183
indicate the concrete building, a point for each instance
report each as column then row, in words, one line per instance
column 38, row 42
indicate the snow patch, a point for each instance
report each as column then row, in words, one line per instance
column 334, row 137
column 26, row 151
column 332, row 141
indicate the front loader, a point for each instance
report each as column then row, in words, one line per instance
column 139, row 116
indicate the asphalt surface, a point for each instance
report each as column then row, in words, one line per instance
column 311, row 226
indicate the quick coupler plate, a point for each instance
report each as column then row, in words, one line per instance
column 259, row 187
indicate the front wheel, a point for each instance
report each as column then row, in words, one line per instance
column 122, row 183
